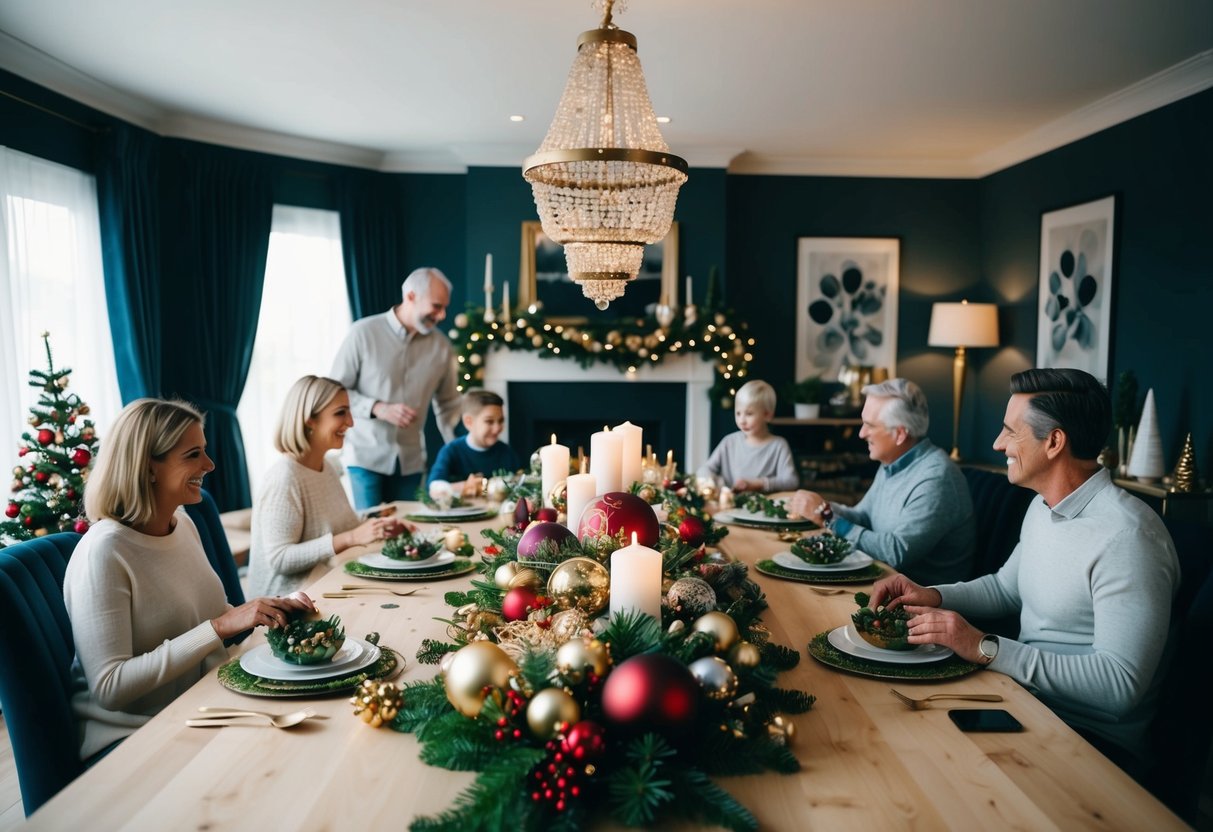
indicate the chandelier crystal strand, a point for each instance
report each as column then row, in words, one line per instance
column 604, row 181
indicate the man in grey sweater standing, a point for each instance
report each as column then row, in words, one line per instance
column 394, row 365
column 1092, row 577
column 917, row 516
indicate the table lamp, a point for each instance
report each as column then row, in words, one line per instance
column 962, row 325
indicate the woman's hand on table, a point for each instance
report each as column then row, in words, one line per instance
column 261, row 612
column 371, row 531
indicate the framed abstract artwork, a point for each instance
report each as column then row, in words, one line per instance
column 1074, row 315
column 543, row 276
column 846, row 296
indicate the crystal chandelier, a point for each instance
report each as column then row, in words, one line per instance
column 604, row 180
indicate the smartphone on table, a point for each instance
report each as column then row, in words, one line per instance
column 984, row 719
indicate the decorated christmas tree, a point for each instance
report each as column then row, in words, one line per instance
column 55, row 457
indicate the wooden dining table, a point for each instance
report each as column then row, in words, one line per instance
column 868, row 762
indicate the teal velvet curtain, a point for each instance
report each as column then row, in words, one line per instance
column 128, row 197
column 372, row 241
column 212, row 295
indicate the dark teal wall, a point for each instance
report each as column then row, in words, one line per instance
column 1160, row 168
column 937, row 223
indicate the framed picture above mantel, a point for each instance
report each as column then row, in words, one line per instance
column 1074, row 318
column 846, row 300
column 543, row 275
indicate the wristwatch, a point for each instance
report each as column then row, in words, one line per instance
column 988, row 647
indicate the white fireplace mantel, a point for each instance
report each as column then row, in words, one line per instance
column 501, row 367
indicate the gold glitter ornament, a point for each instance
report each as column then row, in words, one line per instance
column 505, row 573
column 580, row 583
column 714, row 675
column 745, row 654
column 551, row 711
column 475, row 671
column 377, row 702
column 781, row 730
column 526, row 577
column 1184, row 476
column 721, row 627
column 575, row 657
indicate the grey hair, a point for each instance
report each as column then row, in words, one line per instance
column 907, row 406
column 419, row 281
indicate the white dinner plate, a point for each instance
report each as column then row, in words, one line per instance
column 444, row 513
column 755, row 518
column 381, row 561
column 850, row 642
column 353, row 656
column 855, row 560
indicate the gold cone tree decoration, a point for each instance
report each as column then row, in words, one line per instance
column 1183, row 480
column 604, row 180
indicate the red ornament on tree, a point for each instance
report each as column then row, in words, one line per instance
column 81, row 526
column 81, row 456
column 651, row 692
column 41, row 476
column 519, row 602
column 618, row 515
column 22, row 451
column 13, row 510
column 46, row 437
column 29, row 520
column 585, row 741
column 692, row 531
column 539, row 532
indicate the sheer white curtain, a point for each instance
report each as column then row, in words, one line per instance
column 51, row 280
column 305, row 314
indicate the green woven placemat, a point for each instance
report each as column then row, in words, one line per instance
column 776, row 525
column 434, row 573
column 952, row 667
column 457, row 518
column 860, row 576
column 234, row 677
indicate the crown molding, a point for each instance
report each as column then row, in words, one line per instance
column 183, row 126
column 423, row 161
column 753, row 163
column 1172, row 84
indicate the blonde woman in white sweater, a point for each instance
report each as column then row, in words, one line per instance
column 149, row 615
column 302, row 516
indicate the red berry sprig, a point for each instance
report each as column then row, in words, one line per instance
column 508, row 725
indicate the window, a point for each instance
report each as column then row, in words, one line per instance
column 305, row 314
column 51, row 280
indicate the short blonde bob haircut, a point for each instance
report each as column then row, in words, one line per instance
column 758, row 393
column 306, row 398
column 120, row 486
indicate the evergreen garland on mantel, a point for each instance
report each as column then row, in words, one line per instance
column 625, row 343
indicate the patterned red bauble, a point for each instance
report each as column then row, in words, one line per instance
column 41, row 476
column 651, row 692
column 81, row 456
column 81, row 526
column 692, row 531
column 585, row 741
column 13, row 510
column 619, row 515
column 519, row 602
column 46, row 437
column 536, row 534
column 547, row 514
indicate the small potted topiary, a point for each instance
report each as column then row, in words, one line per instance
column 806, row 396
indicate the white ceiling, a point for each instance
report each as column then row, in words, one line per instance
column 848, row 87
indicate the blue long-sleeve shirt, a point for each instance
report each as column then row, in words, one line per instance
column 917, row 517
column 458, row 460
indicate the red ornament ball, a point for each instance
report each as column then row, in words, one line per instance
column 22, row 451
column 536, row 534
column 522, row 514
column 81, row 456
column 619, row 515
column 519, row 602
column 29, row 521
column 547, row 514
column 13, row 510
column 41, row 476
column 81, row 526
column 46, row 437
column 585, row 741
column 692, row 531
column 651, row 692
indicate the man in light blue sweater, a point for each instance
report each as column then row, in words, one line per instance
column 1092, row 577
column 917, row 516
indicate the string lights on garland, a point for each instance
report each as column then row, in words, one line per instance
column 625, row 343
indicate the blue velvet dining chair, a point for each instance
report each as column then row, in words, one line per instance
column 205, row 515
column 36, row 656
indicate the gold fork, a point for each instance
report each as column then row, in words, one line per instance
column 402, row 594
column 925, row 703
column 821, row 590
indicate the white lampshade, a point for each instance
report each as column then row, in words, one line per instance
column 963, row 324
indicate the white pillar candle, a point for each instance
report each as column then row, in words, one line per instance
column 636, row 580
column 554, row 462
column 488, row 274
column 606, row 462
column 581, row 492
column 633, row 441
column 505, row 301
column 689, row 301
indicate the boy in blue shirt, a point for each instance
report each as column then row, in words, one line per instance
column 466, row 461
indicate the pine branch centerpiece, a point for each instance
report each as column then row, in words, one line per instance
column 55, row 458
column 568, row 717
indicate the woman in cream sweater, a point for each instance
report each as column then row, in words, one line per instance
column 149, row 615
column 302, row 516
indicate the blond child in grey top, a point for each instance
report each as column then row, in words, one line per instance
column 753, row 459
